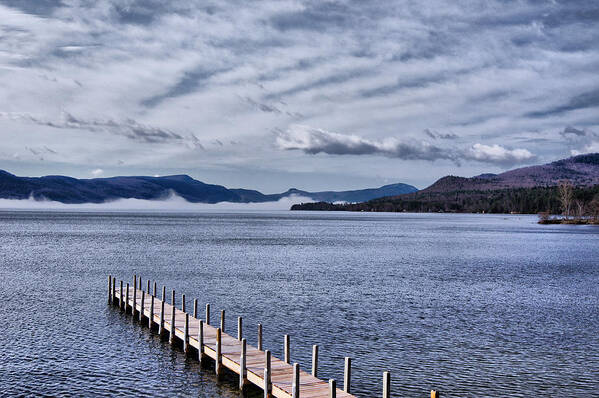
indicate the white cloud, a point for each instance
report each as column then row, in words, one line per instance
column 498, row 154
column 97, row 172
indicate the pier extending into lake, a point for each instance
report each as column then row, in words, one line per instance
column 254, row 365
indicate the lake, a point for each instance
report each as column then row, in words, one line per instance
column 471, row 305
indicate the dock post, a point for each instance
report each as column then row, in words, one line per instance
column 286, row 349
column 267, row 375
column 242, row 365
column 113, row 291
column 218, row 362
column 347, row 375
column 171, row 337
column 148, row 289
column 142, row 306
column 121, row 297
column 173, row 299
column 109, row 289
column 435, row 394
column 386, row 385
column 315, row 360
column 186, row 334
column 207, row 314
column 134, row 296
column 140, row 288
column 161, row 324
column 127, row 298
column 201, row 342
column 260, row 336
column 332, row 388
column 151, row 317
column 195, row 308
column 239, row 328
column 154, row 289
column 222, row 321
column 183, row 302
column 163, row 293
column 295, row 386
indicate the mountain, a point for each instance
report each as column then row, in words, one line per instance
column 97, row 190
column 581, row 170
column 524, row 190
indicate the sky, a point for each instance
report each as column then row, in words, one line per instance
column 315, row 95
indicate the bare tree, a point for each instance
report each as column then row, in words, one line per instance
column 579, row 208
column 594, row 208
column 566, row 196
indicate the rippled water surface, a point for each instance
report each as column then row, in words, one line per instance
column 471, row 305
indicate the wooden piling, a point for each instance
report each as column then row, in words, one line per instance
column 435, row 394
column 195, row 308
column 201, row 341
column 148, row 288
column 239, row 328
column 140, row 283
column 141, row 308
column 151, row 318
column 186, row 334
column 161, row 324
column 267, row 375
column 260, row 336
column 242, row 365
column 127, row 298
column 154, row 294
column 386, row 385
column 171, row 337
column 332, row 388
column 207, row 314
column 109, row 289
column 222, row 321
column 113, row 291
column 183, row 302
column 121, row 297
column 315, row 360
column 347, row 375
column 295, row 386
column 219, row 358
column 163, row 293
column 134, row 297
column 286, row 349
column 173, row 298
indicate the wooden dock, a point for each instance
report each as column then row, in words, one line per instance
column 277, row 378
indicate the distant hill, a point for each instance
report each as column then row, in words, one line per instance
column 524, row 190
column 97, row 190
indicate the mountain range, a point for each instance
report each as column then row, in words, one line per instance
column 98, row 190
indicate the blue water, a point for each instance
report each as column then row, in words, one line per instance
column 471, row 305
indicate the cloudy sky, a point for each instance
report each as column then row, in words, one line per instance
column 311, row 94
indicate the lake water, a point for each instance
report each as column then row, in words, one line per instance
column 471, row 305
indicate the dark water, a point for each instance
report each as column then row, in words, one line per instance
column 471, row 305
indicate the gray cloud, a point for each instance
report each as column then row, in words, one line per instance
column 313, row 141
column 436, row 135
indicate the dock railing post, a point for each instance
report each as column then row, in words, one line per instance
column 163, row 293
column 239, row 328
column 435, row 394
column 218, row 362
column 171, row 337
column 195, row 308
column 286, row 349
column 109, row 289
column 134, row 297
column 201, row 342
column 151, row 317
column 155, row 292
column 148, row 289
column 186, row 334
column 242, row 365
column 347, row 375
column 183, row 302
column 295, row 386
column 315, row 360
column 260, row 337
column 142, row 306
column 173, row 298
column 332, row 388
column 140, row 288
column 222, row 321
column 127, row 298
column 267, row 375
column 113, row 291
column 121, row 297
column 207, row 314
column 161, row 324
column 386, row 385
